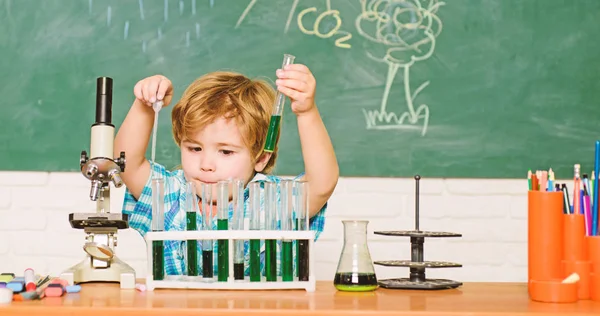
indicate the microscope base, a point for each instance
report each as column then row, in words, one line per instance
column 84, row 272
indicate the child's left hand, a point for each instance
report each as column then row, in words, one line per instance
column 297, row 82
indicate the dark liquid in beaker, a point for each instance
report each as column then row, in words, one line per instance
column 355, row 282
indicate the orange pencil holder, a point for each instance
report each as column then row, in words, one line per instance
column 574, row 240
column 595, row 286
column 575, row 251
column 545, row 235
column 552, row 291
column 545, row 246
column 583, row 269
column 593, row 252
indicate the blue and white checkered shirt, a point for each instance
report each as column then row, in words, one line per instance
column 140, row 216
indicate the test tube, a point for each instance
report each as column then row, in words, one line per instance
column 207, row 244
column 158, row 225
column 254, row 204
column 301, row 212
column 223, row 224
column 238, row 224
column 270, row 224
column 191, row 213
column 287, row 257
column 273, row 130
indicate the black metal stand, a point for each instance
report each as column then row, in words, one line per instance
column 417, row 278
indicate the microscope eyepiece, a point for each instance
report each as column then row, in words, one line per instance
column 104, row 90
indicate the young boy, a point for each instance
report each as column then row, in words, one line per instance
column 220, row 124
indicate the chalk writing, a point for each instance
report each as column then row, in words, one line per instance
column 316, row 27
column 335, row 14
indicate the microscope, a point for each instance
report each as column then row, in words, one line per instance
column 101, row 264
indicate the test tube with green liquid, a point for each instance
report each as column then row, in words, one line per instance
column 270, row 224
column 223, row 224
column 158, row 225
column 287, row 256
column 275, row 122
column 301, row 215
column 207, row 218
column 254, row 204
column 238, row 224
column 191, row 208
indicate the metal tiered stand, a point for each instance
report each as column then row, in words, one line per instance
column 417, row 279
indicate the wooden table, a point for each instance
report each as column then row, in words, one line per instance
column 472, row 298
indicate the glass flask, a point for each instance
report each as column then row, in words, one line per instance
column 355, row 271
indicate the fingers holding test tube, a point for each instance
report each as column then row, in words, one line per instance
column 152, row 89
column 297, row 82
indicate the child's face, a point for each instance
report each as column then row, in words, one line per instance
column 216, row 153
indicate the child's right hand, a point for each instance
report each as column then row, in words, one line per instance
column 152, row 89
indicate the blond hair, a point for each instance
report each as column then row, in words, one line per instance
column 233, row 96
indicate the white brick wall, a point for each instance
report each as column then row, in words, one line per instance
column 490, row 214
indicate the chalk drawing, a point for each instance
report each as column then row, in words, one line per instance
column 246, row 11
column 108, row 15
column 141, row 3
column 126, row 30
column 409, row 28
column 290, row 16
column 166, row 11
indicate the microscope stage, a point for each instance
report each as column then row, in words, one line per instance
column 95, row 220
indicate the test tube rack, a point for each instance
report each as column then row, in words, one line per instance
column 417, row 279
column 198, row 282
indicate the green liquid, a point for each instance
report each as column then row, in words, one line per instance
column 158, row 260
column 287, row 271
column 192, row 245
column 255, row 260
column 271, row 259
column 355, row 282
column 272, row 132
column 223, row 253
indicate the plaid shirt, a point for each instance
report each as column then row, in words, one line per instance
column 140, row 217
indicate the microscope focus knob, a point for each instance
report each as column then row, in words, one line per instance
column 83, row 158
column 121, row 161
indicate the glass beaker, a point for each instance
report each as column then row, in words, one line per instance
column 355, row 271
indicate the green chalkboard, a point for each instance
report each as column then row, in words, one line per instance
column 456, row 88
